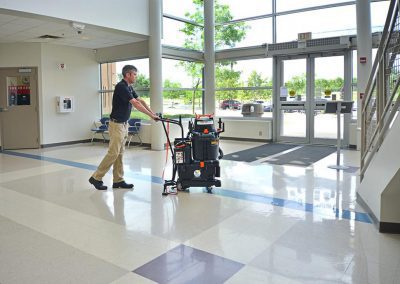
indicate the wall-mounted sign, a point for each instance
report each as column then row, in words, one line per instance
column 304, row 36
column 25, row 70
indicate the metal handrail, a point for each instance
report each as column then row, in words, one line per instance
column 379, row 55
column 374, row 85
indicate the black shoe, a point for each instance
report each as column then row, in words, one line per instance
column 122, row 184
column 98, row 184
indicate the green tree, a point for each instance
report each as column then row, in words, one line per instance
column 336, row 84
column 228, row 78
column 172, row 94
column 142, row 81
column 297, row 83
column 322, row 84
column 225, row 35
column 255, row 80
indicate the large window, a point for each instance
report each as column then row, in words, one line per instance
column 256, row 32
column 185, row 6
column 246, row 81
column 379, row 11
column 237, row 82
column 182, row 87
column 249, row 8
column 321, row 23
column 183, row 24
column 174, row 34
column 287, row 5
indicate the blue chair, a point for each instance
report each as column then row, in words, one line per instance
column 100, row 129
column 133, row 129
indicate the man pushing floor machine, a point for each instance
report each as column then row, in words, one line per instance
column 195, row 158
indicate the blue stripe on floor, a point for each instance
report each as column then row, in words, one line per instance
column 52, row 160
column 305, row 207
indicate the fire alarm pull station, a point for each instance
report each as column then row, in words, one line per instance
column 65, row 104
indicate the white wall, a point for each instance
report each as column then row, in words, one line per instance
column 81, row 80
column 131, row 16
column 353, row 134
column 247, row 129
column 123, row 52
column 380, row 172
column 18, row 55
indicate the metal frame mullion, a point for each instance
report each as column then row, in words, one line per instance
column 277, row 73
column 310, row 94
column 179, row 19
column 273, row 21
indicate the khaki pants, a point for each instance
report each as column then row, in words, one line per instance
column 116, row 148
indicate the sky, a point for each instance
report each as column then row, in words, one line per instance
column 324, row 23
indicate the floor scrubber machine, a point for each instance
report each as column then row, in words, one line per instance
column 195, row 157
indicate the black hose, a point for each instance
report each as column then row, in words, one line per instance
column 221, row 154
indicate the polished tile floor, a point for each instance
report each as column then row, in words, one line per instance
column 266, row 224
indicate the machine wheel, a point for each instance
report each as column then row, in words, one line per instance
column 179, row 186
column 209, row 189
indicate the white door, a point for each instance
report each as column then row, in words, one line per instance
column 19, row 108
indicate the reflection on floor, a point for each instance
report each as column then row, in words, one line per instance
column 266, row 224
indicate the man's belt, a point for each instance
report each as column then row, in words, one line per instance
column 117, row 121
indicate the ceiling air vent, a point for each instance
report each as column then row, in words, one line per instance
column 49, row 37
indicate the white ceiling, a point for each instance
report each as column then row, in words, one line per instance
column 15, row 28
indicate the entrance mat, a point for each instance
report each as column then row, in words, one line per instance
column 304, row 156
column 258, row 152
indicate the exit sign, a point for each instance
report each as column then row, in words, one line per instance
column 303, row 36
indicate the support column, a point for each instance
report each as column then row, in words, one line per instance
column 155, row 60
column 364, row 49
column 209, row 57
column 347, row 89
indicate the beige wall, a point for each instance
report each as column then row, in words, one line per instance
column 80, row 79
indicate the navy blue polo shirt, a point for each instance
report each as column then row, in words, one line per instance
column 121, row 107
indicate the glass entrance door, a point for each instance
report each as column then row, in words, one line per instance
column 305, row 84
column 328, row 86
column 292, row 105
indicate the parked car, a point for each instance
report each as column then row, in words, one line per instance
column 267, row 107
column 231, row 104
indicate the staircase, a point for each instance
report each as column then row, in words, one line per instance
column 379, row 186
